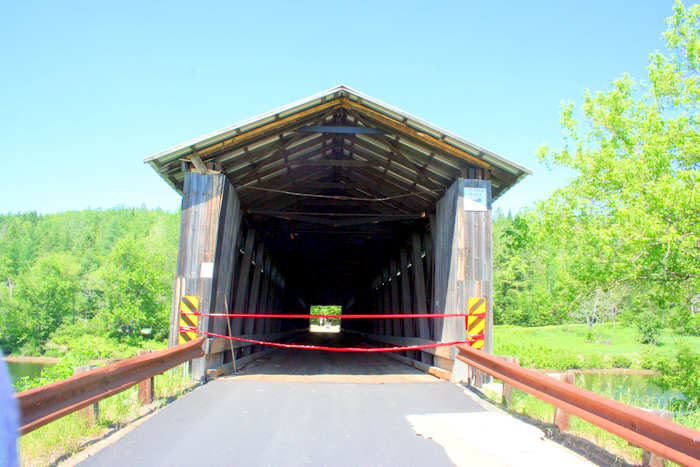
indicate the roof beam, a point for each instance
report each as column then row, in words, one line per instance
column 341, row 129
column 336, row 163
column 279, row 153
column 388, row 187
column 373, row 176
column 412, row 133
column 276, row 126
column 251, row 177
column 400, row 169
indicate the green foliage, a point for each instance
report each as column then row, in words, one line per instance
column 622, row 361
column 569, row 346
column 624, row 232
column 685, row 322
column 632, row 207
column 135, row 289
column 649, row 325
column 110, row 269
column 681, row 373
column 326, row 310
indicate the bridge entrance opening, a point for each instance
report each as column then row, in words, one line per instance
column 338, row 199
column 325, row 323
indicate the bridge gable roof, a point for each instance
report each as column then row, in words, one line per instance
column 338, row 142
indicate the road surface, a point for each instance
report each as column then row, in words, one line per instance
column 322, row 408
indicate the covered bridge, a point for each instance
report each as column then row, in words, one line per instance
column 334, row 199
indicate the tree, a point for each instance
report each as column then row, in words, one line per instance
column 135, row 289
column 44, row 297
column 632, row 210
column 600, row 306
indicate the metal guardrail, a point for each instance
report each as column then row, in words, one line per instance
column 41, row 405
column 643, row 429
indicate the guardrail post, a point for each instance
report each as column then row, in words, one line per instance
column 91, row 413
column 561, row 418
column 507, row 393
column 146, row 387
column 649, row 459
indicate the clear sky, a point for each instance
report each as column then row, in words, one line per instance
column 89, row 89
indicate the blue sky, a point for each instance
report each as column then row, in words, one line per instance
column 88, row 89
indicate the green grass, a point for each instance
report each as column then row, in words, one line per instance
column 568, row 346
column 69, row 434
column 572, row 346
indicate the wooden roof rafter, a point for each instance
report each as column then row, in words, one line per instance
column 376, row 140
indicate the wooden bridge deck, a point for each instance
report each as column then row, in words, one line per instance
column 294, row 365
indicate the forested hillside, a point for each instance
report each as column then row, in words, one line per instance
column 106, row 273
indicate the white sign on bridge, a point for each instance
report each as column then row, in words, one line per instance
column 475, row 199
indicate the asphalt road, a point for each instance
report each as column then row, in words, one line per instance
column 274, row 423
column 305, row 407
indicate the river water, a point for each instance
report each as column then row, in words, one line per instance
column 633, row 389
column 19, row 369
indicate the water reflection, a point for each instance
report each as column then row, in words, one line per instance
column 20, row 369
column 632, row 389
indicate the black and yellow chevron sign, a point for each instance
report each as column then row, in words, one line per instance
column 476, row 322
column 189, row 304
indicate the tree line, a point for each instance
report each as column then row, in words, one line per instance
column 107, row 272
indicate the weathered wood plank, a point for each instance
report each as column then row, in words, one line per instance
column 264, row 325
column 250, row 323
column 178, row 292
column 463, row 260
column 420, row 302
column 386, row 303
column 218, row 344
column 395, row 302
column 240, row 303
column 225, row 261
column 209, row 208
column 401, row 341
column 408, row 325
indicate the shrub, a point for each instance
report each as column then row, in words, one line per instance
column 682, row 373
column 649, row 325
column 621, row 361
column 685, row 323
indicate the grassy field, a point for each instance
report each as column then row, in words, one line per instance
column 569, row 347
column 65, row 436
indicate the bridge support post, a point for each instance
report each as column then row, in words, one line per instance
column 91, row 413
column 147, row 386
column 561, row 418
column 507, row 393
column 463, row 269
column 209, row 223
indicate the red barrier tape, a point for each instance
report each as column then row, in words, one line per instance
column 306, row 316
column 330, row 349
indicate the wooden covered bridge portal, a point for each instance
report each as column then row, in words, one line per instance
column 334, row 199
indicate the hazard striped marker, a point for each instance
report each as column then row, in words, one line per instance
column 188, row 322
column 476, row 322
